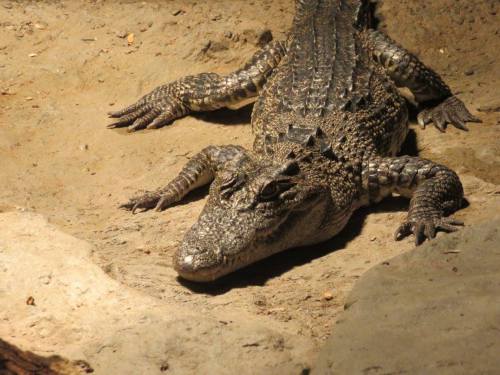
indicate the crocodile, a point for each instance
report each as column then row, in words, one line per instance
column 328, row 119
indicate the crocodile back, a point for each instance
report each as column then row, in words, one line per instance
column 329, row 79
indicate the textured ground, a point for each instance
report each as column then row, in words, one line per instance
column 64, row 65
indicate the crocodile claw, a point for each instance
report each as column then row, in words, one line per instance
column 451, row 111
column 152, row 111
column 145, row 202
column 426, row 228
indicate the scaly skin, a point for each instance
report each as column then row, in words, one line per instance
column 328, row 122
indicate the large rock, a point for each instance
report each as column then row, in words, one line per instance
column 433, row 310
column 56, row 301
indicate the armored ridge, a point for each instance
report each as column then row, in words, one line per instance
column 328, row 122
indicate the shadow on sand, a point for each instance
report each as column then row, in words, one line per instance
column 260, row 272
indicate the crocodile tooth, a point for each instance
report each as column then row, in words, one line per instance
column 328, row 152
column 309, row 141
column 319, row 133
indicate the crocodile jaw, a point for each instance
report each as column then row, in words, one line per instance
column 214, row 248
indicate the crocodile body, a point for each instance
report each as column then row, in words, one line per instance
column 328, row 123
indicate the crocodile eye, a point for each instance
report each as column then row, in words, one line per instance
column 269, row 191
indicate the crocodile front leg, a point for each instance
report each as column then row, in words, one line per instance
column 202, row 92
column 406, row 70
column 435, row 192
column 199, row 171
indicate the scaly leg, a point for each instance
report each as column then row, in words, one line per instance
column 435, row 192
column 406, row 70
column 202, row 92
column 199, row 171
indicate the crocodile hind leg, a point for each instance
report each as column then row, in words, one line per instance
column 199, row 171
column 202, row 92
column 406, row 70
column 435, row 192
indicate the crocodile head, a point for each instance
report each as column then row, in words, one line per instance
column 252, row 213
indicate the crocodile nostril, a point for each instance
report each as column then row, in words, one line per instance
column 188, row 260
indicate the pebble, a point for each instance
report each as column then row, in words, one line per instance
column 121, row 34
column 327, row 296
column 130, row 38
column 260, row 300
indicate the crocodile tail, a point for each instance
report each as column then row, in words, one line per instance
column 322, row 55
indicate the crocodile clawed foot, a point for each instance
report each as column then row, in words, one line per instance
column 451, row 111
column 154, row 110
column 426, row 227
column 144, row 202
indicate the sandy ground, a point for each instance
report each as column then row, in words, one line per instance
column 64, row 65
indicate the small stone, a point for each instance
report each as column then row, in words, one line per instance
column 469, row 72
column 30, row 301
column 130, row 38
column 33, row 54
column 260, row 300
column 164, row 367
column 327, row 296
column 84, row 147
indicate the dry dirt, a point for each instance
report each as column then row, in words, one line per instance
column 63, row 65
